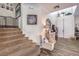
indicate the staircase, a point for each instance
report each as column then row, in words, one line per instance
column 13, row 43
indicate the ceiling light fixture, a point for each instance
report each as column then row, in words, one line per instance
column 57, row 6
column 31, row 7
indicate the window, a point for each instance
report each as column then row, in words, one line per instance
column 7, row 7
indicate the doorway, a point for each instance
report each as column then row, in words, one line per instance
column 65, row 26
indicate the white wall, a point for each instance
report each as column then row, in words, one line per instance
column 67, row 25
column 32, row 31
column 20, row 22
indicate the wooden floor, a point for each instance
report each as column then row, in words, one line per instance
column 63, row 47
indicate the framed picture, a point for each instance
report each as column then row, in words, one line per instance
column 31, row 19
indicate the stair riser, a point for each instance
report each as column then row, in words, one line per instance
column 9, row 33
column 8, row 30
column 11, row 38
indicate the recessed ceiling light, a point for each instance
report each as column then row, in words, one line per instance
column 31, row 7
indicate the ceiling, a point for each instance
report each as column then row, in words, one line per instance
column 50, row 7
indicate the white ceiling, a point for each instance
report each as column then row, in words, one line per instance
column 49, row 7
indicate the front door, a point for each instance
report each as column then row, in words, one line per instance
column 65, row 26
column 60, row 27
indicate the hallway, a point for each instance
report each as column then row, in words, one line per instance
column 26, row 26
column 65, row 47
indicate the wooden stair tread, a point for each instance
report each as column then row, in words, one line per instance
column 24, row 51
column 14, row 38
column 13, row 49
column 10, row 33
column 8, row 29
column 11, row 36
column 10, row 41
column 13, row 42
column 2, row 45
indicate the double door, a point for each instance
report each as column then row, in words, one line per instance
column 65, row 26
